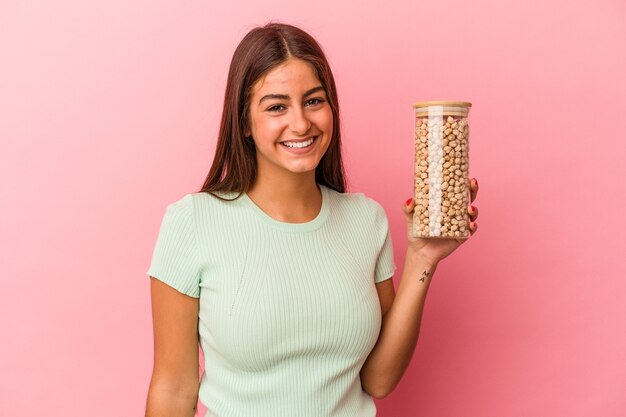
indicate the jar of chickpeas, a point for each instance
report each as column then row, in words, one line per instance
column 441, row 189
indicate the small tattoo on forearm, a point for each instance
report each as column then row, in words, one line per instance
column 425, row 275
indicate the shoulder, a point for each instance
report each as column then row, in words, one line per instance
column 179, row 213
column 203, row 200
column 215, row 197
column 218, row 208
column 359, row 205
column 180, row 206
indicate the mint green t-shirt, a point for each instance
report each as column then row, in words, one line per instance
column 288, row 311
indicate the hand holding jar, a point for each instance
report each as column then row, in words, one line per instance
column 434, row 250
column 439, row 216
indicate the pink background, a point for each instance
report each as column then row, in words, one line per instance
column 109, row 111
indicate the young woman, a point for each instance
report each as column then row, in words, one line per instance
column 279, row 274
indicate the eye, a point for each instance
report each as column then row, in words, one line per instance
column 318, row 100
column 274, row 108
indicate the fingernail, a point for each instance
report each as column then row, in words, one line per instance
column 472, row 208
column 475, row 181
column 408, row 201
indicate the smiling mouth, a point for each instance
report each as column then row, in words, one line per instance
column 300, row 145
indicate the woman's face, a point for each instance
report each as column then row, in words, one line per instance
column 290, row 104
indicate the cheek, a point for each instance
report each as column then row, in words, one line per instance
column 267, row 127
column 325, row 119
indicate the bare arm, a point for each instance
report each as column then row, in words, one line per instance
column 173, row 390
column 402, row 316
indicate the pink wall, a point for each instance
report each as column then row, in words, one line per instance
column 109, row 111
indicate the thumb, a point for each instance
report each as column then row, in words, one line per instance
column 408, row 207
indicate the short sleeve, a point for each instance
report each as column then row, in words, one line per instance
column 175, row 259
column 385, row 265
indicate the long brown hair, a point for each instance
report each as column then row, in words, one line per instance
column 234, row 166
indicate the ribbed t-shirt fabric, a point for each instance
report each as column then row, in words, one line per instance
column 288, row 311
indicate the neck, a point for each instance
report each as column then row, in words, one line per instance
column 293, row 198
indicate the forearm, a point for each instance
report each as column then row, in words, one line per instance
column 400, row 328
column 164, row 403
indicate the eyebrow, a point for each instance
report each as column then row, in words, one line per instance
column 286, row 97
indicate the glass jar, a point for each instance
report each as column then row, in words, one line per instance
column 441, row 189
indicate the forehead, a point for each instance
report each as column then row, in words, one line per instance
column 293, row 74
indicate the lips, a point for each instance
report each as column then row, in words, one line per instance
column 302, row 149
column 298, row 140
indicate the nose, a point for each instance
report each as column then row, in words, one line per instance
column 299, row 123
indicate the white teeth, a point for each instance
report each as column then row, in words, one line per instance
column 299, row 144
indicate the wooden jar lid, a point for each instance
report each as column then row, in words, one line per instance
column 441, row 108
column 443, row 103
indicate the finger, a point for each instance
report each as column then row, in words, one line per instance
column 473, row 189
column 473, row 212
column 408, row 208
column 408, row 205
column 473, row 227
